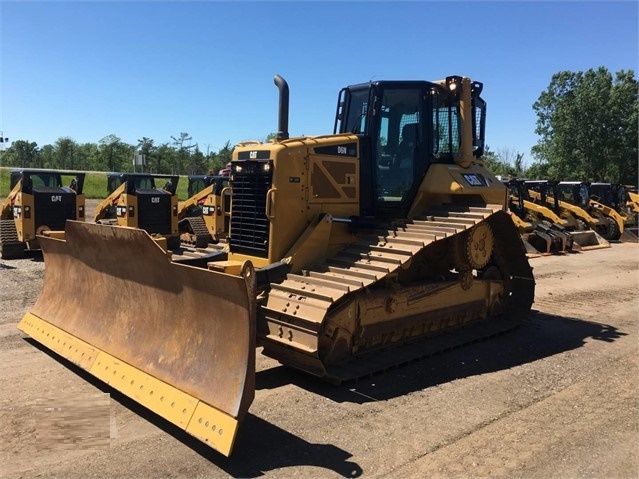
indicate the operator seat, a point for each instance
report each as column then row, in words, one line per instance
column 406, row 149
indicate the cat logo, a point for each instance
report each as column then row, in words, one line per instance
column 253, row 155
column 155, row 199
column 56, row 198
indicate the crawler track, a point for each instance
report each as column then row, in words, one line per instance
column 199, row 232
column 10, row 246
column 296, row 314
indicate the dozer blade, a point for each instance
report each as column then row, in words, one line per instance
column 588, row 240
column 177, row 339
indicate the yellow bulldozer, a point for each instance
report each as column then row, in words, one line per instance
column 135, row 200
column 205, row 216
column 38, row 202
column 349, row 253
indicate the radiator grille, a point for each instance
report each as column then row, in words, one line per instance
column 249, row 224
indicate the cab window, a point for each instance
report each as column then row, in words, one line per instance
column 399, row 139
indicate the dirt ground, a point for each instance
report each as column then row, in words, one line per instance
column 555, row 398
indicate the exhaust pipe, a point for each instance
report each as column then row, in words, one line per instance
column 282, row 121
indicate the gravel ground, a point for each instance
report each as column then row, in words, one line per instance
column 556, row 398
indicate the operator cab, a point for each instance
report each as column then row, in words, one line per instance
column 141, row 182
column 405, row 126
column 614, row 196
column 575, row 192
column 198, row 182
column 47, row 181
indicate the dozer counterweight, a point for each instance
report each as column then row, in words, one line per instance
column 347, row 253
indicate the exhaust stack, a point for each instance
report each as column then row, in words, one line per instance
column 282, row 121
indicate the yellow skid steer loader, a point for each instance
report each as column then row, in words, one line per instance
column 579, row 223
column 204, row 217
column 611, row 200
column 38, row 202
column 538, row 224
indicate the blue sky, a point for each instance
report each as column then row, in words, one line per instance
column 89, row 69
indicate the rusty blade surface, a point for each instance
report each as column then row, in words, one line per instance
column 116, row 289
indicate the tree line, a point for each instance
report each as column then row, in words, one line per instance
column 587, row 123
column 588, row 128
column 112, row 154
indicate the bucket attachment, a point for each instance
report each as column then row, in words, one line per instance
column 544, row 241
column 588, row 240
column 177, row 339
column 531, row 251
column 630, row 235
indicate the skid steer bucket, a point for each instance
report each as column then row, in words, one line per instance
column 177, row 339
column 588, row 239
column 630, row 235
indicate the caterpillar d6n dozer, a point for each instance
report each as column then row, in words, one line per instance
column 349, row 253
column 38, row 203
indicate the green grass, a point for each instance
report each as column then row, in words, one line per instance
column 4, row 182
column 95, row 185
column 183, row 188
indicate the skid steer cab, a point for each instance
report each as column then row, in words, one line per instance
column 348, row 253
column 142, row 200
column 39, row 201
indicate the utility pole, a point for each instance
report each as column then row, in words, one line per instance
column 3, row 140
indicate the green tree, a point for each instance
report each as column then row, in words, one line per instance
column 47, row 156
column 148, row 149
column 225, row 154
column 197, row 162
column 183, row 148
column 114, row 154
column 23, row 154
column 505, row 162
column 587, row 122
column 493, row 162
column 66, row 155
column 164, row 157
column 89, row 154
column 538, row 171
